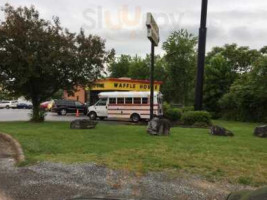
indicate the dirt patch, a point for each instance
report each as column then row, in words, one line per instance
column 10, row 148
column 3, row 197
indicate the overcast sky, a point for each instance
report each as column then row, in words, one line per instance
column 122, row 22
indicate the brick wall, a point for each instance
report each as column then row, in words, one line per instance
column 78, row 96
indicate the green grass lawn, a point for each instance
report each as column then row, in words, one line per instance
column 242, row 158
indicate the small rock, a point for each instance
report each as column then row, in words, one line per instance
column 220, row 131
column 83, row 124
column 261, row 131
column 259, row 194
column 159, row 126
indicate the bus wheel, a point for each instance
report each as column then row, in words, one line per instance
column 135, row 118
column 92, row 115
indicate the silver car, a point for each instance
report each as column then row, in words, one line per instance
column 8, row 104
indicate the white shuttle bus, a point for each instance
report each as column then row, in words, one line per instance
column 127, row 105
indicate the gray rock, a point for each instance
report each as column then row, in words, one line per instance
column 259, row 194
column 159, row 126
column 261, row 131
column 83, row 124
column 220, row 131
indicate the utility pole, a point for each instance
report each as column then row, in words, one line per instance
column 201, row 56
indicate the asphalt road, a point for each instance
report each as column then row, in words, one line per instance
column 24, row 115
column 8, row 115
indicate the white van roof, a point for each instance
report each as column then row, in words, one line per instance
column 126, row 94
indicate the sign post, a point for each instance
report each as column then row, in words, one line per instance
column 153, row 36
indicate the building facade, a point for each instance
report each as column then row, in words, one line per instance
column 90, row 95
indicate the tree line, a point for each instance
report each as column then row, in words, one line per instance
column 235, row 85
column 176, row 69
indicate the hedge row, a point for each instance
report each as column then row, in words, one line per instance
column 187, row 116
column 196, row 117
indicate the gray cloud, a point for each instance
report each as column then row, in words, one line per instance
column 239, row 21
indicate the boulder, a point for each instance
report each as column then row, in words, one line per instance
column 259, row 194
column 220, row 131
column 261, row 131
column 83, row 124
column 159, row 126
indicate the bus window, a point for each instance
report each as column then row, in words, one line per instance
column 112, row 100
column 144, row 100
column 120, row 100
column 129, row 100
column 137, row 100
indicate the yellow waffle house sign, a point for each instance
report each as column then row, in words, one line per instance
column 123, row 84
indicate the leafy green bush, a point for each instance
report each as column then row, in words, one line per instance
column 170, row 113
column 192, row 117
column 187, row 108
column 166, row 106
column 173, row 114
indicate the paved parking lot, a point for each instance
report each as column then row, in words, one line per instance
column 24, row 115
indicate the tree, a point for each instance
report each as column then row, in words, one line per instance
column 160, row 69
column 247, row 98
column 120, row 67
column 263, row 50
column 223, row 66
column 239, row 58
column 58, row 95
column 4, row 95
column 137, row 67
column 39, row 57
column 180, row 57
column 219, row 76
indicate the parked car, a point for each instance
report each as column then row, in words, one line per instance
column 24, row 105
column 8, row 104
column 62, row 107
column 47, row 105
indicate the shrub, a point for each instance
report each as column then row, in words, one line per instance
column 173, row 114
column 170, row 113
column 192, row 117
column 187, row 108
column 166, row 106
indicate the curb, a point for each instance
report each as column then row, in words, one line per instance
column 15, row 145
